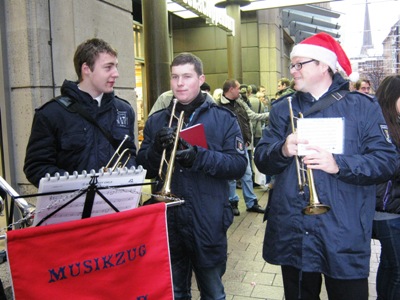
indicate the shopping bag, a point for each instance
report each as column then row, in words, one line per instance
column 259, row 178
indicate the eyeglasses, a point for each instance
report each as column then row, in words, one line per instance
column 298, row 66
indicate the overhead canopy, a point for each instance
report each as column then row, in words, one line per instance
column 299, row 17
column 306, row 20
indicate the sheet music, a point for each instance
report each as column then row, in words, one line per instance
column 327, row 133
column 122, row 198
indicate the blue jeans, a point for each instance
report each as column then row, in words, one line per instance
column 388, row 276
column 247, row 187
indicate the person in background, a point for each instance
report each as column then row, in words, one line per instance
column 336, row 243
column 205, row 87
column 283, row 88
column 82, row 128
column 363, row 86
column 196, row 229
column 262, row 89
column 231, row 100
column 386, row 225
column 243, row 94
column 264, row 100
column 258, row 107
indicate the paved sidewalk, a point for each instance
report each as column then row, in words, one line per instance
column 248, row 276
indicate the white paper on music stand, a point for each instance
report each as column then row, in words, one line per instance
column 122, row 198
column 327, row 133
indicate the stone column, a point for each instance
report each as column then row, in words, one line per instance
column 234, row 43
column 157, row 49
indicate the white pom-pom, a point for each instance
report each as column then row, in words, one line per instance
column 354, row 76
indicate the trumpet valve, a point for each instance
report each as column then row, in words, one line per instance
column 164, row 197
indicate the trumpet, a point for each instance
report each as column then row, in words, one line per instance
column 305, row 178
column 165, row 194
column 118, row 160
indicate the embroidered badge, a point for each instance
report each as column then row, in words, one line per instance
column 239, row 145
column 385, row 132
column 122, row 118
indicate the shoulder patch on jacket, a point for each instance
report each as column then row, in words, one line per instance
column 239, row 145
column 385, row 132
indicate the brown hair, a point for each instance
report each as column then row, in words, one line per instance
column 88, row 51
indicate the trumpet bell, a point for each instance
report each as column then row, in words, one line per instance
column 118, row 160
column 316, row 209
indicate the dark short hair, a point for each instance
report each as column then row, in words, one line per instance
column 88, row 52
column 188, row 58
column 228, row 84
column 205, row 87
column 285, row 81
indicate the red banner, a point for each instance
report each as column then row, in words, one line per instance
column 118, row 256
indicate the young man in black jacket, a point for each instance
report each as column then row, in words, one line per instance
column 81, row 129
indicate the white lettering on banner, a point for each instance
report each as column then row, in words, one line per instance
column 212, row 14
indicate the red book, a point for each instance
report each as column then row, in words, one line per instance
column 195, row 135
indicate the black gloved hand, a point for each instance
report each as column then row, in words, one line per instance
column 164, row 139
column 186, row 156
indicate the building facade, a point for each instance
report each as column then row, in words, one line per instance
column 38, row 39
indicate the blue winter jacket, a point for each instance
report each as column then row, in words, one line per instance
column 62, row 141
column 336, row 243
column 205, row 216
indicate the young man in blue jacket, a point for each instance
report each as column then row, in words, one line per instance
column 197, row 229
column 63, row 138
column 335, row 243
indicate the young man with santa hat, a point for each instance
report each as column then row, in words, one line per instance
column 332, row 239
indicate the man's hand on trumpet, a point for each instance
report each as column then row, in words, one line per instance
column 186, row 154
column 165, row 139
column 290, row 148
column 319, row 160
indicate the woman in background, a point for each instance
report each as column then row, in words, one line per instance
column 386, row 226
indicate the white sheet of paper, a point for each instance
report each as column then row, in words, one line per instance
column 327, row 133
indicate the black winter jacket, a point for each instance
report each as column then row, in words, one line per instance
column 63, row 141
column 388, row 195
column 204, row 218
column 237, row 107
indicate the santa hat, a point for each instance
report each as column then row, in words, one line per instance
column 325, row 48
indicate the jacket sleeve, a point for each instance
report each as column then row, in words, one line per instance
column 41, row 156
column 252, row 115
column 229, row 161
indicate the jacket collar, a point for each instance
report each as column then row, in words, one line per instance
column 225, row 100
